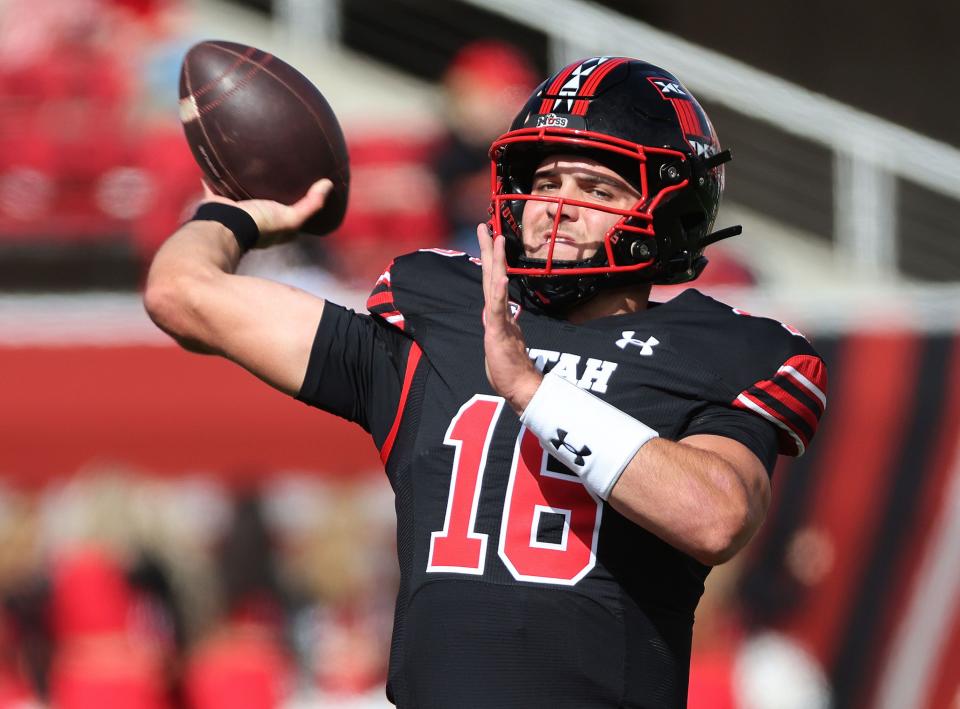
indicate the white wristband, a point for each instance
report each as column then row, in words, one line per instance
column 592, row 438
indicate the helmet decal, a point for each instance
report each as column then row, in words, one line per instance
column 551, row 120
column 697, row 129
column 577, row 82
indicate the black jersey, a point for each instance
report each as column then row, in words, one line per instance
column 518, row 587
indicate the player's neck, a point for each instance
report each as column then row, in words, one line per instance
column 616, row 301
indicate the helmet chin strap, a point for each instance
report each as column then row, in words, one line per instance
column 561, row 292
column 557, row 292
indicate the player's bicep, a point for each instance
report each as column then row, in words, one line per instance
column 748, row 468
column 264, row 326
column 745, row 441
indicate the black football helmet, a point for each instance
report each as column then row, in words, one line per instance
column 638, row 120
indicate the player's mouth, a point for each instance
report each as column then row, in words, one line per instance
column 560, row 239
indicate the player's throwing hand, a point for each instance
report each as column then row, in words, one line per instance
column 509, row 369
column 278, row 222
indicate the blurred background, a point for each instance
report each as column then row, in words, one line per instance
column 175, row 534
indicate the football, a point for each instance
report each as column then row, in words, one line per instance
column 259, row 129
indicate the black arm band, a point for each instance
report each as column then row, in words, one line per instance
column 237, row 220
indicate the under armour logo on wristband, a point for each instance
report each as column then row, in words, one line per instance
column 560, row 442
column 646, row 346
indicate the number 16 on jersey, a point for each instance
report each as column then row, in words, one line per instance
column 537, row 491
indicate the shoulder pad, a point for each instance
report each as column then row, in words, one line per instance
column 422, row 282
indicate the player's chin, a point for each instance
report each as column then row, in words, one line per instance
column 562, row 253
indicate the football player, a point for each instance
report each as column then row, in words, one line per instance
column 569, row 458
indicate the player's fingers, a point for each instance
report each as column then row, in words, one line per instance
column 312, row 201
column 500, row 263
column 486, row 258
column 499, row 256
column 498, row 279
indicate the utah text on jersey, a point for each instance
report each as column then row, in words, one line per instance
column 593, row 375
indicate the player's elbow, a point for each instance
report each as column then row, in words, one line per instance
column 719, row 544
column 729, row 529
column 171, row 302
column 717, row 548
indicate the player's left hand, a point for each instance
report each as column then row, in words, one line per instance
column 509, row 369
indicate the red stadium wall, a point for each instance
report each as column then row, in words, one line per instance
column 163, row 411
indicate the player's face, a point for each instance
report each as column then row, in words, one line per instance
column 580, row 230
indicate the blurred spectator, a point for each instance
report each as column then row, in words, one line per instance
column 485, row 85
column 15, row 689
column 243, row 663
column 26, row 643
column 346, row 567
column 394, row 207
column 107, row 629
column 101, row 658
column 413, row 191
column 90, row 595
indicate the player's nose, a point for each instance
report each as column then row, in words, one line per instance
column 568, row 212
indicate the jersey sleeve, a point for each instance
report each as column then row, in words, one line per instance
column 773, row 372
column 752, row 431
column 417, row 285
column 793, row 397
column 357, row 370
column 382, row 303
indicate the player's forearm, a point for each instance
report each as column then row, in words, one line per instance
column 197, row 246
column 198, row 253
column 691, row 498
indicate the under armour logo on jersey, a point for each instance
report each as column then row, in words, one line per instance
column 646, row 346
column 560, row 442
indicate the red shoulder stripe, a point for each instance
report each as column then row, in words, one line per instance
column 384, row 297
column 381, row 303
column 793, row 399
column 791, row 442
column 809, row 373
column 773, row 389
column 413, row 359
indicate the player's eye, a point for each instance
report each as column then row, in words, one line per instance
column 598, row 192
column 544, row 184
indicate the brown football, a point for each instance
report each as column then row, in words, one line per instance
column 259, row 129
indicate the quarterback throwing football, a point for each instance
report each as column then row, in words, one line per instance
column 569, row 458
